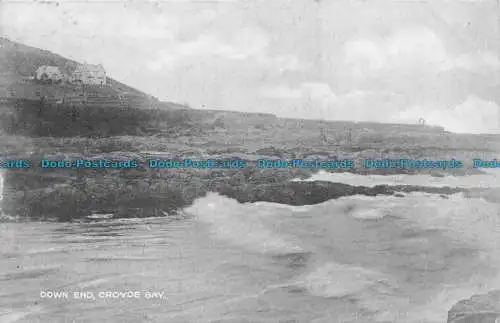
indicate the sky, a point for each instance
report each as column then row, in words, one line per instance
column 361, row 60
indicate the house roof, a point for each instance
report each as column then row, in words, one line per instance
column 89, row 67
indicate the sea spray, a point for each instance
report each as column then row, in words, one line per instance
column 242, row 225
column 398, row 259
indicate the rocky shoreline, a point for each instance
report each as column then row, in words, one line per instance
column 308, row 193
column 68, row 194
column 483, row 308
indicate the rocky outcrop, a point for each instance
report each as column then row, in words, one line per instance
column 477, row 309
column 307, row 193
column 68, row 194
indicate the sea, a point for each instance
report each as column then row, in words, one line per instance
column 405, row 258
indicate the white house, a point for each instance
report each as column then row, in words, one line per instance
column 89, row 74
column 46, row 72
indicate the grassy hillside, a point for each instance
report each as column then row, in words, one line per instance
column 18, row 62
column 30, row 108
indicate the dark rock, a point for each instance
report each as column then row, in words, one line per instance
column 477, row 309
column 307, row 193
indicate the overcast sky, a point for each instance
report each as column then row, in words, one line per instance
column 374, row 60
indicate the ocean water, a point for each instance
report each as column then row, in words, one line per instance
column 354, row 259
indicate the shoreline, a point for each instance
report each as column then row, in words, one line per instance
column 66, row 194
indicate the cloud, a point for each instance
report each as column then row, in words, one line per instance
column 82, row 21
column 306, row 91
column 308, row 100
column 366, row 53
column 477, row 61
column 474, row 115
column 205, row 46
column 248, row 44
column 413, row 48
column 409, row 48
column 318, row 101
column 282, row 92
column 284, row 63
column 318, row 91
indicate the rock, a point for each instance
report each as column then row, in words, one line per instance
column 477, row 309
column 307, row 193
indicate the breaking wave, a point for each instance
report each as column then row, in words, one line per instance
column 242, row 224
column 397, row 258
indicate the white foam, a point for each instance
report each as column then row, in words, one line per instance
column 98, row 216
column 489, row 180
column 370, row 214
column 436, row 308
column 11, row 317
column 339, row 280
column 471, row 222
column 292, row 208
column 104, row 280
column 241, row 224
